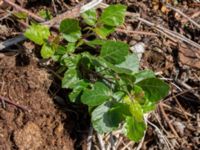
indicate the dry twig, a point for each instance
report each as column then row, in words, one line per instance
column 89, row 139
column 101, row 142
column 167, row 119
column 184, row 15
column 135, row 32
column 171, row 34
column 176, row 110
column 19, row 8
column 161, row 135
column 4, row 99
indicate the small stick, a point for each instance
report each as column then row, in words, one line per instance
column 37, row 18
column 3, row 99
column 101, row 142
column 89, row 139
column 161, row 134
column 90, row 5
column 126, row 146
column 181, row 108
column 194, row 15
column 54, row 6
column 177, row 110
column 170, row 33
column 136, row 32
column 188, row 87
column 184, row 15
column 167, row 119
column 112, row 142
column 12, row 41
column 181, row 93
column 75, row 12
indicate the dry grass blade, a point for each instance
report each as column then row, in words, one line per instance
column 136, row 32
column 101, row 142
column 167, row 120
column 170, row 33
column 160, row 134
column 184, row 15
column 89, row 139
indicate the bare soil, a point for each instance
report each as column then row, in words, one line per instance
column 38, row 125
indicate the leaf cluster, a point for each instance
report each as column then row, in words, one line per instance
column 102, row 74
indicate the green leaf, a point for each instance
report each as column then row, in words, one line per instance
column 145, row 74
column 95, row 96
column 139, row 94
column 133, row 129
column 37, row 33
column 116, row 114
column 107, row 116
column 70, row 29
column 45, row 13
column 46, row 51
column 131, row 63
column 55, row 57
column 148, row 106
column 90, row 17
column 70, row 61
column 107, row 64
column 126, row 79
column 113, row 15
column 71, row 78
column 71, row 47
column 20, row 15
column 118, row 95
column 114, row 52
column 95, row 42
column 59, row 51
column 134, row 126
column 78, row 88
column 135, row 108
column 155, row 89
column 136, row 111
column 97, row 118
column 104, row 31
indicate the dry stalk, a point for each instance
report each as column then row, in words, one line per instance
column 167, row 120
column 6, row 100
column 184, row 15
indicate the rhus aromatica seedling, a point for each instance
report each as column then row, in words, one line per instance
column 102, row 74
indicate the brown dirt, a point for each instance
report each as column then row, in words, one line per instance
column 41, row 126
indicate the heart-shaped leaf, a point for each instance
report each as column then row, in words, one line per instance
column 95, row 96
column 90, row 17
column 131, row 63
column 107, row 116
column 46, row 51
column 114, row 52
column 70, row 29
column 155, row 89
column 113, row 15
column 134, row 129
column 37, row 33
column 144, row 74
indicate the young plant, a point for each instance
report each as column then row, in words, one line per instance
column 102, row 74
